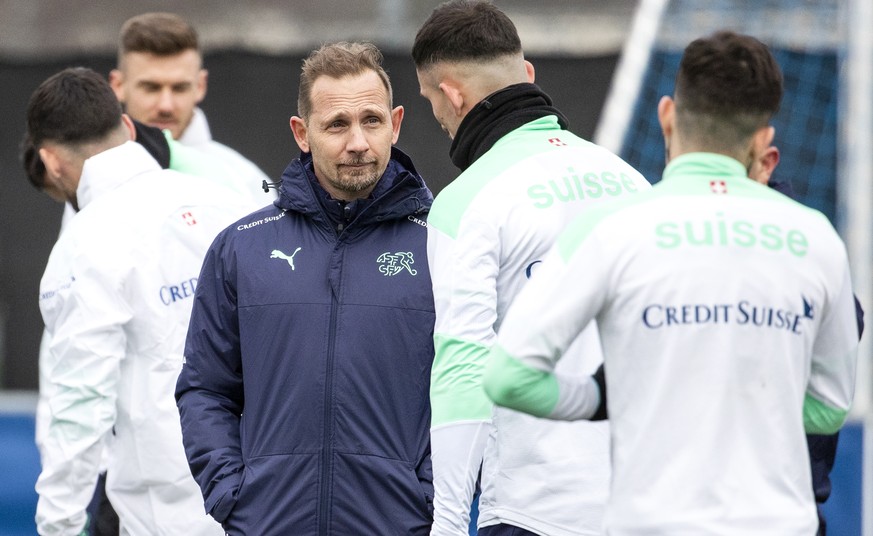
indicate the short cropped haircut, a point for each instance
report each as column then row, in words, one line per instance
column 728, row 86
column 161, row 34
column 338, row 60
column 464, row 30
column 72, row 107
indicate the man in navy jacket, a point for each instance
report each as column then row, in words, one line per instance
column 304, row 398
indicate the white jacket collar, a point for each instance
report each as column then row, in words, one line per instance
column 198, row 131
column 106, row 171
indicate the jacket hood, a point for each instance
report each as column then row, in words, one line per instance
column 400, row 192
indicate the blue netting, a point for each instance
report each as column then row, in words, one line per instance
column 806, row 126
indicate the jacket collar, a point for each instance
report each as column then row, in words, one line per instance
column 400, row 192
column 197, row 132
column 497, row 115
column 694, row 165
column 110, row 169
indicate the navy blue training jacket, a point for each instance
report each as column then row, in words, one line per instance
column 304, row 397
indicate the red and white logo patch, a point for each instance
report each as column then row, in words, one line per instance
column 718, row 187
column 189, row 218
column 557, row 142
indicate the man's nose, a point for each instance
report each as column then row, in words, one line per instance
column 165, row 100
column 357, row 142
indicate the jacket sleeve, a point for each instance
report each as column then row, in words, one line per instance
column 85, row 312
column 831, row 384
column 543, row 321
column 209, row 392
column 464, row 265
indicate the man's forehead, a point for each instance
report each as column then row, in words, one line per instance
column 364, row 90
column 182, row 65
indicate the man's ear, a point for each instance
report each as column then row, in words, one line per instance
column 298, row 127
column 667, row 120
column 763, row 156
column 763, row 139
column 529, row 69
column 52, row 162
column 116, row 82
column 396, row 119
column 128, row 124
column 763, row 165
column 202, row 82
column 666, row 115
column 453, row 93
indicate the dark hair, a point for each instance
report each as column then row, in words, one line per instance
column 161, row 34
column 463, row 30
column 728, row 86
column 337, row 60
column 32, row 163
column 73, row 106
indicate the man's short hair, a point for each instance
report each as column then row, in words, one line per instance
column 728, row 86
column 32, row 163
column 72, row 107
column 338, row 60
column 465, row 30
column 161, row 34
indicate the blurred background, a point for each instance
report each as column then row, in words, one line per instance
column 605, row 64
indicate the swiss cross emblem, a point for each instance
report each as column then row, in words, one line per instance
column 557, row 142
column 189, row 218
column 718, row 187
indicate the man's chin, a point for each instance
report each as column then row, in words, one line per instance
column 359, row 181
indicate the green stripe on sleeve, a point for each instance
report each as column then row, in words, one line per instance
column 511, row 383
column 819, row 418
column 456, row 381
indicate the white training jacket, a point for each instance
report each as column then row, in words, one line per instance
column 728, row 327
column 237, row 167
column 116, row 298
column 202, row 157
column 487, row 232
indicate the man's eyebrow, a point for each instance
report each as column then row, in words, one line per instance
column 336, row 116
column 375, row 110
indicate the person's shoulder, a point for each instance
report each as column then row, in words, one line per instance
column 797, row 211
column 99, row 235
column 627, row 215
column 552, row 148
column 230, row 156
column 254, row 223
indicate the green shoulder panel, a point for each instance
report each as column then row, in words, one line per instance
column 582, row 227
column 528, row 140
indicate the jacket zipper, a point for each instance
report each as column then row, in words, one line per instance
column 327, row 449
